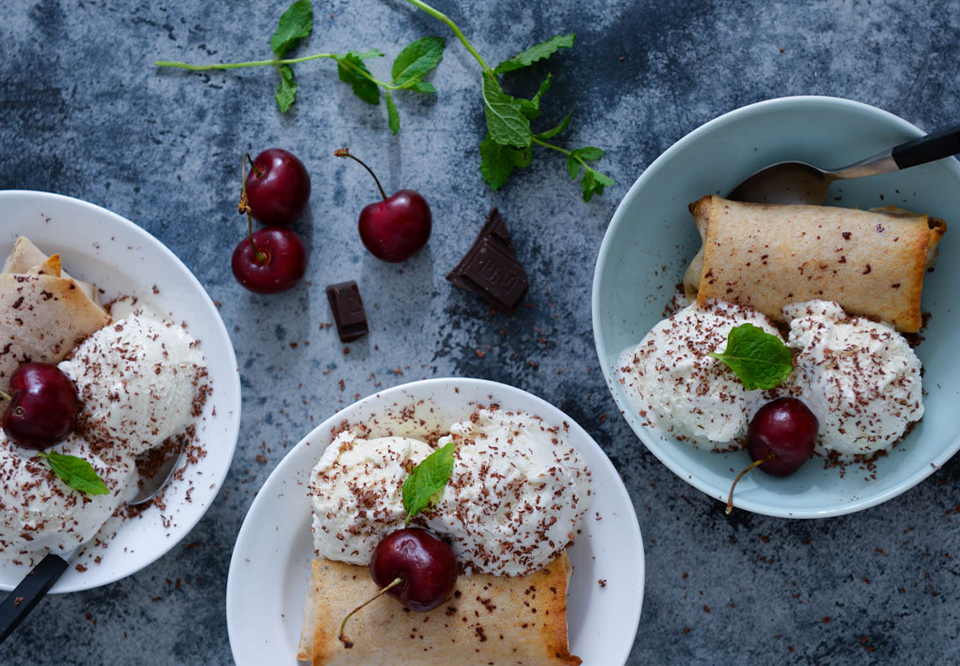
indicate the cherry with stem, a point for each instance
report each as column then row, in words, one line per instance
column 270, row 260
column 396, row 227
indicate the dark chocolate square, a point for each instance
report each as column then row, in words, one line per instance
column 490, row 268
column 348, row 312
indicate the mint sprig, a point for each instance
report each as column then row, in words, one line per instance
column 758, row 358
column 296, row 23
column 510, row 139
column 422, row 488
column 508, row 117
column 76, row 473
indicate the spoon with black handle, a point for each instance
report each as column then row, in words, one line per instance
column 801, row 183
column 35, row 585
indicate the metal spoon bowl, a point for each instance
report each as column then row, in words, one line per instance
column 802, row 183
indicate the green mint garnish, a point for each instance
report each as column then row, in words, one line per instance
column 295, row 24
column 510, row 140
column 76, row 473
column 423, row 487
column 759, row 359
column 535, row 53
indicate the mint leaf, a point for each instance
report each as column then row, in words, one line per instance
column 759, row 359
column 423, row 487
column 573, row 166
column 76, row 473
column 589, row 153
column 349, row 67
column 287, row 88
column 550, row 133
column 393, row 118
column 417, row 59
column 506, row 123
column 420, row 87
column 531, row 107
column 497, row 161
column 535, row 53
column 593, row 183
column 295, row 24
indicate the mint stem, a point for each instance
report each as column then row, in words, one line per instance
column 275, row 62
column 565, row 152
column 238, row 65
column 440, row 16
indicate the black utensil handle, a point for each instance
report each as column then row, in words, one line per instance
column 29, row 592
column 928, row 148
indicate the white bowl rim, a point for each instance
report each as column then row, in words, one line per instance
column 233, row 432
column 649, row 440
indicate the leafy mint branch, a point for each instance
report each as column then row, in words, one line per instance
column 510, row 138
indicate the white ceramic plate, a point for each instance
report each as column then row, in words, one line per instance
column 121, row 258
column 652, row 238
column 270, row 567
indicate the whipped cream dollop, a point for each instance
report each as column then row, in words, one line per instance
column 516, row 496
column 39, row 512
column 514, row 500
column 356, row 493
column 140, row 380
column 137, row 379
column 860, row 378
column 682, row 391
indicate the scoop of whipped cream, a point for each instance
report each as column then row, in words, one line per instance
column 38, row 511
column 514, row 500
column 859, row 377
column 137, row 379
column 356, row 493
column 516, row 496
column 682, row 391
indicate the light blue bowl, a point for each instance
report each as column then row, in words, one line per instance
column 652, row 238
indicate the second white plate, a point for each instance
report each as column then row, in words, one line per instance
column 270, row 567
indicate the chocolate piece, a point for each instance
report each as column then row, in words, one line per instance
column 490, row 268
column 347, row 310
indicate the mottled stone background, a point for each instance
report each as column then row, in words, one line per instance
column 84, row 113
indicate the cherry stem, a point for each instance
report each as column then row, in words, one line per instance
column 6, row 396
column 253, row 167
column 244, row 206
column 343, row 639
column 770, row 456
column 345, row 152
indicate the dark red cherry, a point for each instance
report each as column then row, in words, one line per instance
column 424, row 564
column 275, row 261
column 780, row 438
column 43, row 406
column 278, row 187
column 785, row 429
column 397, row 227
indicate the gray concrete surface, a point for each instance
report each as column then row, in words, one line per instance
column 83, row 113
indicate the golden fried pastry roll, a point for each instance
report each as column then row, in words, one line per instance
column 489, row 619
column 42, row 318
column 765, row 256
column 25, row 257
